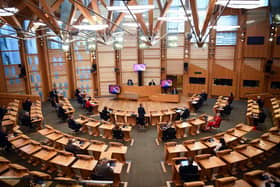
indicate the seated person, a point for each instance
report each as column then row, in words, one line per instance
column 105, row 114
column 129, row 82
column 226, row 109
column 26, row 120
column 77, row 92
column 103, row 171
column 26, row 105
column 71, row 147
column 221, row 146
column 4, row 142
column 215, row 122
column 72, row 124
column 152, row 83
column 185, row 114
column 168, row 133
column 189, row 172
column 230, row 98
column 3, row 111
column 117, row 132
column 260, row 101
column 204, row 95
column 61, row 112
column 90, row 105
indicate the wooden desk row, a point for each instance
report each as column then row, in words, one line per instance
column 8, row 169
column 253, row 111
column 226, row 161
column 275, row 105
column 93, row 127
column 10, row 119
column 66, row 105
column 93, row 147
column 65, row 163
column 36, row 114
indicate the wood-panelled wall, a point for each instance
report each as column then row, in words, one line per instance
column 237, row 62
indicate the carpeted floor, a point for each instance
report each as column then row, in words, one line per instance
column 145, row 155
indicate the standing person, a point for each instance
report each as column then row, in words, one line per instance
column 141, row 115
column 174, row 91
column 53, row 97
column 26, row 105
column 260, row 101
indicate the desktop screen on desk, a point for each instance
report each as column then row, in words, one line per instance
column 114, row 89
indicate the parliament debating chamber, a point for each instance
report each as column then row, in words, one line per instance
column 140, row 93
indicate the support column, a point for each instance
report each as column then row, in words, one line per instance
column 70, row 61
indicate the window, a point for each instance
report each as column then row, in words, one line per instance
column 175, row 11
column 223, row 82
column 255, row 40
column 275, row 85
column 226, row 38
column 251, row 83
column 226, row 30
column 197, row 80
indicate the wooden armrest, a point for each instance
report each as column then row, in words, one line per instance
column 168, row 144
column 274, row 166
column 65, row 153
column 47, row 147
column 194, row 184
column 17, row 167
column 188, row 142
column 85, row 157
column 256, row 141
column 254, row 173
column 206, row 138
column 40, row 174
column 239, row 147
column 219, row 135
column 223, row 152
column 226, row 180
column 230, row 130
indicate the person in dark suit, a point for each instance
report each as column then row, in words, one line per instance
column 260, row 101
column 221, row 145
column 189, row 172
column 105, row 114
column 72, row 124
column 117, row 132
column 26, row 105
column 3, row 111
column 73, row 148
column 103, row 171
column 185, row 114
column 262, row 116
column 141, row 115
column 203, row 95
column 130, row 82
column 226, row 109
column 4, row 142
column 174, row 91
column 61, row 113
column 152, row 83
column 26, row 120
column 53, row 97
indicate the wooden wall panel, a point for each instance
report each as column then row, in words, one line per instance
column 274, row 76
column 175, row 67
column 106, row 65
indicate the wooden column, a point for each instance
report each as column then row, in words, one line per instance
column 163, row 53
column 187, row 49
column 44, row 65
column 70, row 61
column 24, row 63
column 239, row 52
column 3, row 86
column 95, row 74
column 211, row 60
column 118, row 67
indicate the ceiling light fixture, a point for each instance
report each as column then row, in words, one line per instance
column 91, row 27
column 136, row 9
column 246, row 4
column 9, row 11
column 174, row 19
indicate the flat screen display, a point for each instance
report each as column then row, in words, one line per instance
column 166, row 83
column 139, row 67
column 114, row 89
column 255, row 40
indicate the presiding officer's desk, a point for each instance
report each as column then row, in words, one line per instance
column 152, row 93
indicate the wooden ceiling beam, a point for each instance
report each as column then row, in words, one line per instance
column 151, row 18
column 56, row 5
column 159, row 5
column 142, row 23
column 81, row 17
column 94, row 6
column 50, row 13
column 210, row 10
column 195, row 18
column 109, row 16
column 36, row 10
column 120, row 18
column 13, row 21
column 104, row 4
column 71, row 17
column 84, row 11
column 162, row 14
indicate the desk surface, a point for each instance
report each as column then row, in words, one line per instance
column 107, row 126
column 54, row 136
column 179, row 148
column 233, row 157
column 20, row 142
column 237, row 133
column 92, row 123
column 85, row 164
column 264, row 145
column 250, row 151
column 45, row 154
column 197, row 121
column 183, row 125
column 120, row 150
column 30, row 148
column 196, row 146
column 63, row 160
column 244, row 127
column 46, row 131
column 97, row 147
column 211, row 162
